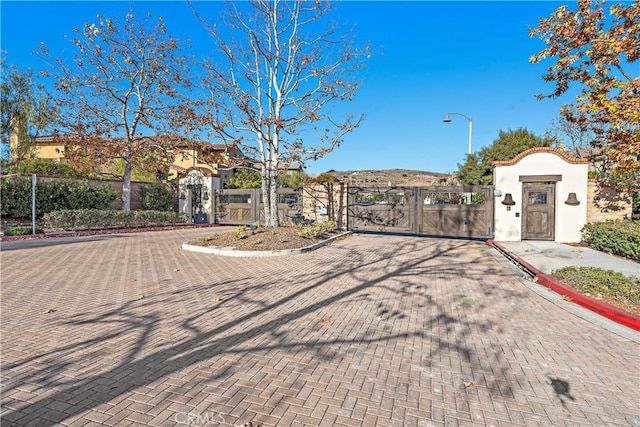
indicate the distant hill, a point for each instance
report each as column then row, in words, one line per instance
column 394, row 176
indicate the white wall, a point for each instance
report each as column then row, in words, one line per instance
column 209, row 185
column 568, row 219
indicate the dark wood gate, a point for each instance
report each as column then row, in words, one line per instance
column 452, row 211
column 244, row 206
column 538, row 211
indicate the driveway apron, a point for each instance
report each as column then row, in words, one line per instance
column 371, row 330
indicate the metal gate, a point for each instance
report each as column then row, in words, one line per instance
column 244, row 206
column 452, row 211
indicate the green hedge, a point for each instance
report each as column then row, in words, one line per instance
column 88, row 219
column 156, row 197
column 616, row 237
column 51, row 196
column 21, row 231
column 47, row 168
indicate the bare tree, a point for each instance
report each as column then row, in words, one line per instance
column 579, row 140
column 123, row 95
column 280, row 68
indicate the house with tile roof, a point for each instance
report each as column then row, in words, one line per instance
column 210, row 159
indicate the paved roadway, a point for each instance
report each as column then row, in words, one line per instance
column 369, row 331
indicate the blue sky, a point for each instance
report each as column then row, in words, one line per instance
column 431, row 58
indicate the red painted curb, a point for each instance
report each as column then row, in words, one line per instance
column 622, row 317
column 101, row 232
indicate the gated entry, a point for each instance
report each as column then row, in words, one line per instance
column 244, row 206
column 455, row 211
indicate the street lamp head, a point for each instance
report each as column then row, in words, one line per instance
column 447, row 119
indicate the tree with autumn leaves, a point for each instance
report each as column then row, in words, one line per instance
column 276, row 70
column 597, row 48
column 121, row 98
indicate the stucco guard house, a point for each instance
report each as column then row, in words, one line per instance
column 541, row 194
column 197, row 187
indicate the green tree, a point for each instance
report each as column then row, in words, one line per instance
column 295, row 179
column 156, row 197
column 46, row 167
column 478, row 169
column 25, row 109
column 245, row 178
column 325, row 178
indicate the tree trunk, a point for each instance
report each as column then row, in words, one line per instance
column 273, row 197
column 126, row 186
column 270, row 196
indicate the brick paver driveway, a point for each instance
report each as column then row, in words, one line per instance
column 373, row 330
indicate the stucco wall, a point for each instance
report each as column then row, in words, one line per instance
column 209, row 185
column 568, row 219
column 50, row 152
column 188, row 159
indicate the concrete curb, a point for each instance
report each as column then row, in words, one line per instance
column 569, row 294
column 231, row 252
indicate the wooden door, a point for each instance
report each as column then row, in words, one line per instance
column 538, row 211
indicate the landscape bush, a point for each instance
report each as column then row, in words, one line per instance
column 615, row 237
column 316, row 229
column 21, row 231
column 51, row 196
column 238, row 233
column 47, row 168
column 607, row 284
column 156, row 197
column 95, row 219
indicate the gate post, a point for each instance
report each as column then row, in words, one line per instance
column 214, row 206
column 256, row 193
column 417, row 209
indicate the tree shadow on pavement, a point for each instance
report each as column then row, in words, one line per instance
column 347, row 300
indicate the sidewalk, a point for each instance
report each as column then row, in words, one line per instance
column 549, row 256
column 541, row 258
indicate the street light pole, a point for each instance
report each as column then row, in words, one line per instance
column 447, row 119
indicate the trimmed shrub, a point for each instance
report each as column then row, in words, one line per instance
column 616, row 237
column 156, row 197
column 599, row 282
column 316, row 229
column 47, row 168
column 21, row 231
column 94, row 219
column 16, row 197
column 51, row 196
